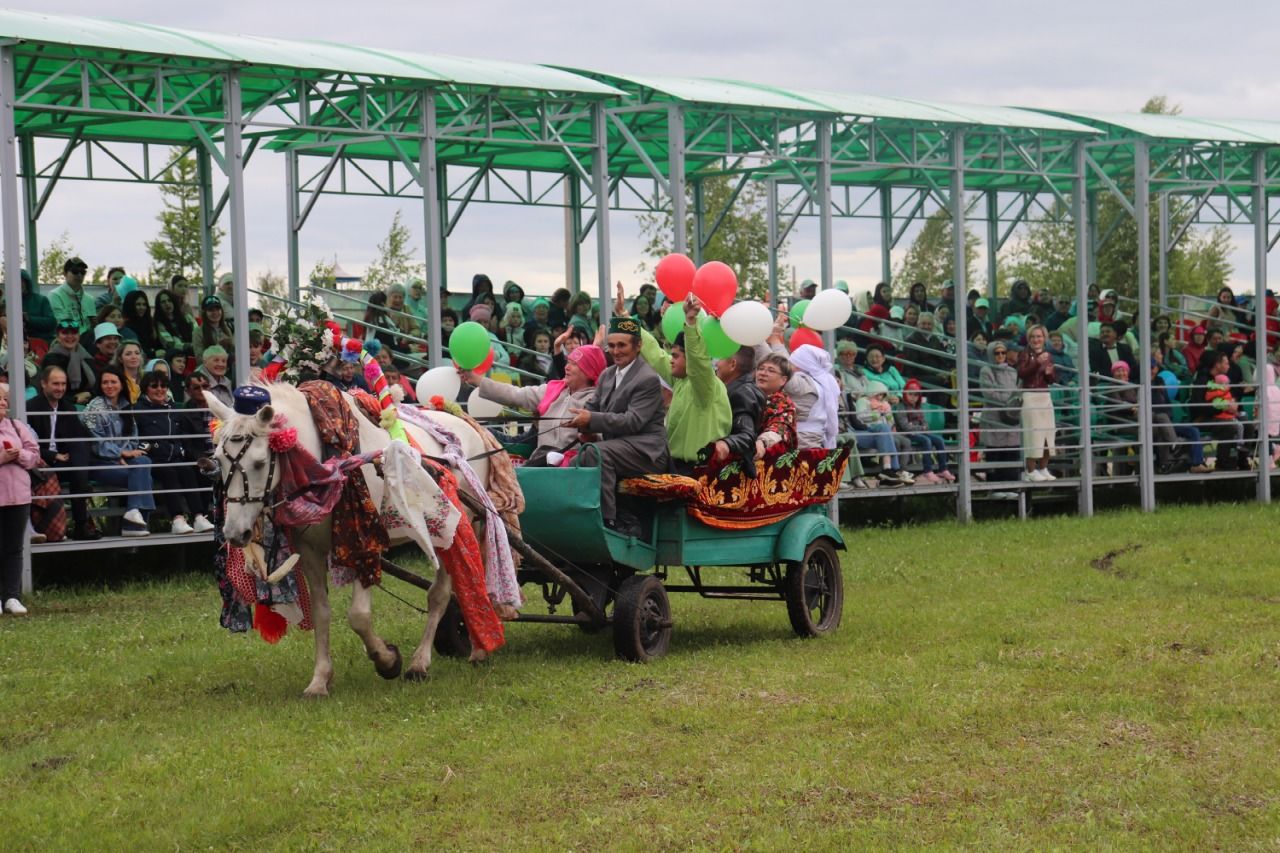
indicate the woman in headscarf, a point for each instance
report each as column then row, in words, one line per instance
column 816, row 394
column 551, row 402
column 481, row 313
column 481, row 285
column 1192, row 352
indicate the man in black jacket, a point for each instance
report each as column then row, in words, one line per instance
column 58, row 427
column 1106, row 349
column 746, row 402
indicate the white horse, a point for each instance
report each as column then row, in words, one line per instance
column 244, row 457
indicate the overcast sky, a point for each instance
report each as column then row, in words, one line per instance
column 1081, row 55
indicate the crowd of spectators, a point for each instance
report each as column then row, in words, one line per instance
column 117, row 382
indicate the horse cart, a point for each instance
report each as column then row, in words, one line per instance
column 606, row 580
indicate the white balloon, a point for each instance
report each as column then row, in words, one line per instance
column 478, row 407
column 439, row 382
column 828, row 310
column 747, row 323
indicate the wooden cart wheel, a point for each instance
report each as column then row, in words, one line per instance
column 452, row 639
column 641, row 619
column 815, row 590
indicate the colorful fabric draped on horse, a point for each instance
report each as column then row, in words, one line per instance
column 726, row 498
column 358, row 535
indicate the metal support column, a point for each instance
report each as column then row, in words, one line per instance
column 433, row 235
column 825, row 249
column 964, row 497
column 1142, row 214
column 1162, row 251
column 293, row 274
column 600, row 180
column 771, row 221
column 204, row 175
column 442, row 193
column 1262, row 407
column 1080, row 213
column 12, row 266
column 993, row 245
column 675, row 176
column 30, row 202
column 697, row 222
column 1092, row 218
column 572, row 224
column 886, row 233
column 234, row 155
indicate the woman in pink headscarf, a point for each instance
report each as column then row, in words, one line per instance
column 551, row 402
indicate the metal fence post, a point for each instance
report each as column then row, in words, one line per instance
column 675, row 176
column 291, row 230
column 600, row 178
column 1080, row 208
column 433, row 237
column 964, row 497
column 1142, row 215
column 1262, row 406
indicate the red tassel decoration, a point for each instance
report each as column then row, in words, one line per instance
column 269, row 624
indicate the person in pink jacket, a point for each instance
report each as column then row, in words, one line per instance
column 19, row 453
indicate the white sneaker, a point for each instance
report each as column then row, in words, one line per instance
column 1004, row 496
column 1030, row 477
column 131, row 530
column 202, row 525
column 1046, row 475
column 135, row 517
column 180, row 526
column 14, row 606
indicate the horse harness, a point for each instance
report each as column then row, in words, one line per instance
column 237, row 467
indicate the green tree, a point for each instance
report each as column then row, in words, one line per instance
column 53, row 257
column 177, row 248
column 322, row 274
column 1199, row 263
column 395, row 263
column 272, row 291
column 741, row 241
column 931, row 256
column 98, row 275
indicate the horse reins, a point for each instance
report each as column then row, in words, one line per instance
column 237, row 467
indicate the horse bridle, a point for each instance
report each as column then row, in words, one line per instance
column 237, row 467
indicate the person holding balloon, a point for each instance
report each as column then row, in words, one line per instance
column 113, row 294
column 699, row 414
column 551, row 402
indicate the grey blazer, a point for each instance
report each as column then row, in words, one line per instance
column 634, row 411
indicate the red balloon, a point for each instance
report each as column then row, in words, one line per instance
column 674, row 274
column 482, row 367
column 715, row 284
column 801, row 337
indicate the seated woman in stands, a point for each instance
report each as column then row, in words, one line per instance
column 124, row 464
column 129, row 359
column 1214, row 411
column 158, row 424
column 552, row 402
column 777, row 432
column 1172, row 358
column 879, row 369
column 910, row 420
column 876, row 414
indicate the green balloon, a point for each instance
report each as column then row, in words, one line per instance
column 469, row 345
column 719, row 344
column 673, row 321
column 797, row 313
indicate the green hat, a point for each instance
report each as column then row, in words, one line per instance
column 624, row 326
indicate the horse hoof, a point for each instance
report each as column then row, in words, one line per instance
column 392, row 671
column 315, row 693
column 415, row 675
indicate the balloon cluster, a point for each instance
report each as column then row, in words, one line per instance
column 728, row 325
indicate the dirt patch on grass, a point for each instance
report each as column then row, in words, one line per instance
column 52, row 762
column 1107, row 562
column 1202, row 651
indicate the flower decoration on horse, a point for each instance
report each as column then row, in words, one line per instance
column 306, row 338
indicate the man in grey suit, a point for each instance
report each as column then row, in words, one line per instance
column 625, row 419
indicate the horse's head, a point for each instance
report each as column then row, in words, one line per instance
column 246, row 467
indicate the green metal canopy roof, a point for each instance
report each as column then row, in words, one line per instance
column 1179, row 128
column 115, row 35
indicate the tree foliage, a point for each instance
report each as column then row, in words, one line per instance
column 1198, row 264
column 322, row 274
column 741, row 240
column 395, row 263
column 272, row 291
column 931, row 256
column 53, row 257
column 177, row 248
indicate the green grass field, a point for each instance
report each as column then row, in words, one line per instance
column 998, row 685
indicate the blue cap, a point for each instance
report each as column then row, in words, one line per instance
column 250, row 398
